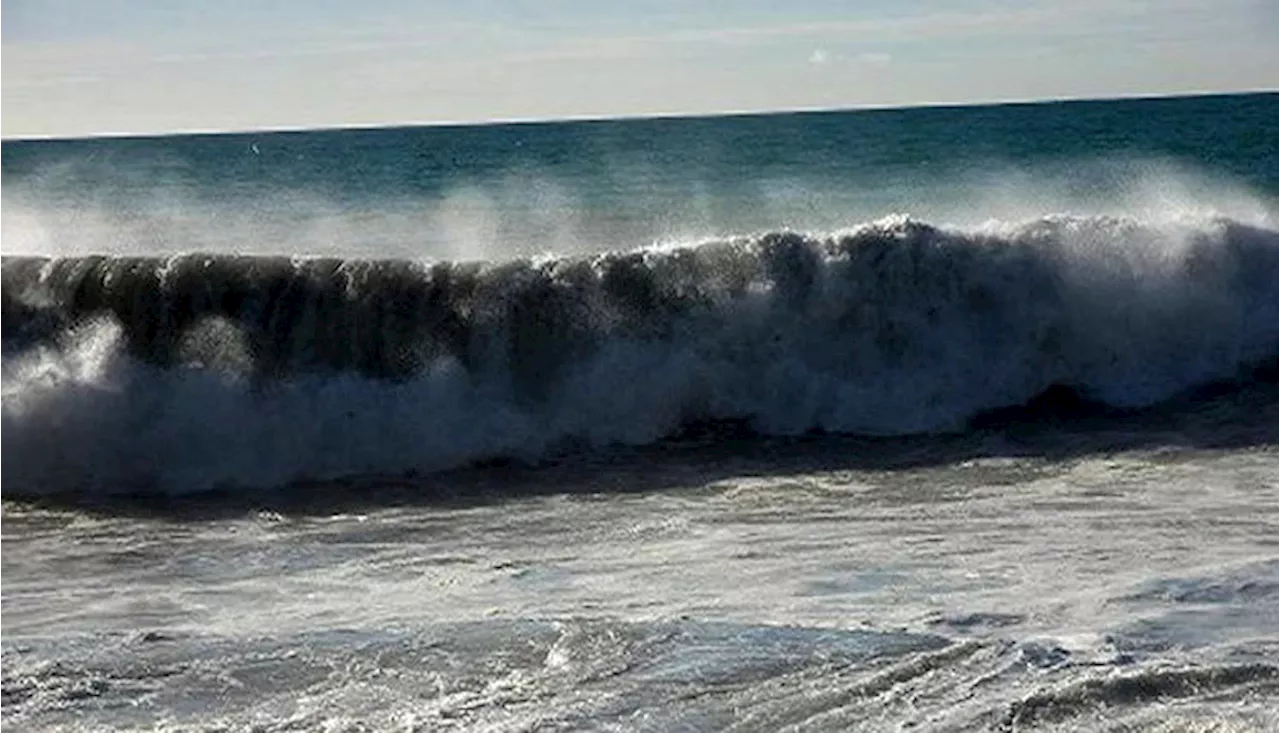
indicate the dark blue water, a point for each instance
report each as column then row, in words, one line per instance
column 1234, row 135
column 607, row 184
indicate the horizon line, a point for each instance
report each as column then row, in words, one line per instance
column 514, row 121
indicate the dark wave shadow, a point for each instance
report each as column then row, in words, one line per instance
column 1059, row 425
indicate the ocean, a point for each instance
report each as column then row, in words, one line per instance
column 943, row 419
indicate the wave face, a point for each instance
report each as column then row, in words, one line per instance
column 195, row 371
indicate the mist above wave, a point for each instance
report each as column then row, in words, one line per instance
column 150, row 210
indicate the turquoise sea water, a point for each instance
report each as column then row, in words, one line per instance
column 938, row 418
column 600, row 185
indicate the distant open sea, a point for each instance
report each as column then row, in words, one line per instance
column 942, row 419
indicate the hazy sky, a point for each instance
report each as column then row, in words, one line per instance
column 101, row 66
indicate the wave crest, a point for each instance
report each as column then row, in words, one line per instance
column 192, row 371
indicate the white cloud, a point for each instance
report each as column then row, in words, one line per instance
column 873, row 59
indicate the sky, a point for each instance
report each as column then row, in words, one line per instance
column 81, row 67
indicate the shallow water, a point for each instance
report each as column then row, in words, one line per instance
column 1025, row 578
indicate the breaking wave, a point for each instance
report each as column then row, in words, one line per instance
column 126, row 374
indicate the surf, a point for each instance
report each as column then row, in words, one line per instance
column 201, row 370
